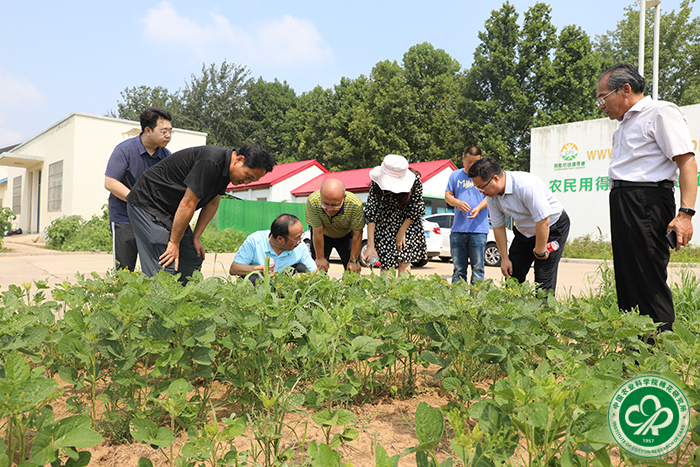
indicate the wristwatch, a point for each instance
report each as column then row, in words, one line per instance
column 356, row 260
column 540, row 255
column 690, row 212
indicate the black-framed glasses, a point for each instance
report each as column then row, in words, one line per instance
column 600, row 101
column 487, row 184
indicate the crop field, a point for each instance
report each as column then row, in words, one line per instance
column 312, row 371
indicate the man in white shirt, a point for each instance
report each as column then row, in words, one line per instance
column 538, row 216
column 652, row 149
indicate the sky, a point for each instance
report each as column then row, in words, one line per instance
column 57, row 58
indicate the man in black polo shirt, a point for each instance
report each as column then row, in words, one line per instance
column 162, row 202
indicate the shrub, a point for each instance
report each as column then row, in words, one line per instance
column 62, row 229
column 222, row 241
column 73, row 233
column 6, row 218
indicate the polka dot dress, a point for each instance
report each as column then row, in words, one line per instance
column 385, row 212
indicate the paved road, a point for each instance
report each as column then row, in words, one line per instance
column 28, row 262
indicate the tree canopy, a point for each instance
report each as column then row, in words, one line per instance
column 427, row 107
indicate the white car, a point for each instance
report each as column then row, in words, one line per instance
column 492, row 257
column 433, row 239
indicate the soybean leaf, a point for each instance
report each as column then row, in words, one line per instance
column 429, row 425
column 75, row 432
column 382, row 459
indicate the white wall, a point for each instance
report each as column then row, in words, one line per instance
column 573, row 161
column 437, row 184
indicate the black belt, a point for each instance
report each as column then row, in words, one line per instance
column 668, row 184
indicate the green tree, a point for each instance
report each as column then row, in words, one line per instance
column 569, row 90
column 135, row 100
column 267, row 107
column 309, row 124
column 434, row 78
column 505, row 88
column 679, row 50
column 215, row 103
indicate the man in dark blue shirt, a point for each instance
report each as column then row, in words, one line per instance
column 128, row 161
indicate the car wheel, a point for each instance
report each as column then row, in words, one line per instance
column 492, row 257
column 445, row 259
column 420, row 264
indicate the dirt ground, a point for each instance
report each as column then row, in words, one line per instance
column 388, row 422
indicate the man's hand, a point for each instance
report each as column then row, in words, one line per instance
column 172, row 254
column 506, row 267
column 683, row 226
column 198, row 247
column 322, row 263
column 352, row 266
column 462, row 206
column 475, row 212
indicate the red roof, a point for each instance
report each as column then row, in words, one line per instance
column 279, row 172
column 358, row 180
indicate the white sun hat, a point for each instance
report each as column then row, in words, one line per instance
column 393, row 175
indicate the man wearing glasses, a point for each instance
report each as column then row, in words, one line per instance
column 652, row 149
column 282, row 244
column 129, row 160
column 165, row 198
column 336, row 219
column 538, row 217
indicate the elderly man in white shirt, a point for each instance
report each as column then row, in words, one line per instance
column 539, row 220
column 652, row 149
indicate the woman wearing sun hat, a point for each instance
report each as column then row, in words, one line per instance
column 394, row 212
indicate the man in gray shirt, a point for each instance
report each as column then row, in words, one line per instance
column 538, row 216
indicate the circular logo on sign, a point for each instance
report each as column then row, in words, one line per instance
column 569, row 152
column 649, row 416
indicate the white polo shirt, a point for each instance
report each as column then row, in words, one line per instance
column 650, row 135
column 527, row 200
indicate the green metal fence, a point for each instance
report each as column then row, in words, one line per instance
column 251, row 216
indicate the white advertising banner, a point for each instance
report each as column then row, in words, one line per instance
column 573, row 161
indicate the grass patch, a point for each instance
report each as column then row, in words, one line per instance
column 598, row 247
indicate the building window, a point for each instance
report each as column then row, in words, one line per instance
column 17, row 194
column 55, row 186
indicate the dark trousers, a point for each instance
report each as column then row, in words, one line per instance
column 124, row 248
column 152, row 238
column 638, row 221
column 342, row 245
column 522, row 257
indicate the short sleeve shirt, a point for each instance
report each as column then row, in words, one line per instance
column 350, row 217
column 650, row 135
column 203, row 169
column 257, row 246
column 527, row 200
column 463, row 189
column 128, row 162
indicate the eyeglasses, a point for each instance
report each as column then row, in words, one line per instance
column 331, row 207
column 600, row 101
column 484, row 187
column 295, row 242
column 166, row 132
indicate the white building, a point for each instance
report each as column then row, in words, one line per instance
column 573, row 160
column 60, row 172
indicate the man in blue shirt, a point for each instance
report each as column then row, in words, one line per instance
column 282, row 243
column 471, row 222
column 128, row 161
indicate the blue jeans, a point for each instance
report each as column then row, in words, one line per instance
column 467, row 248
